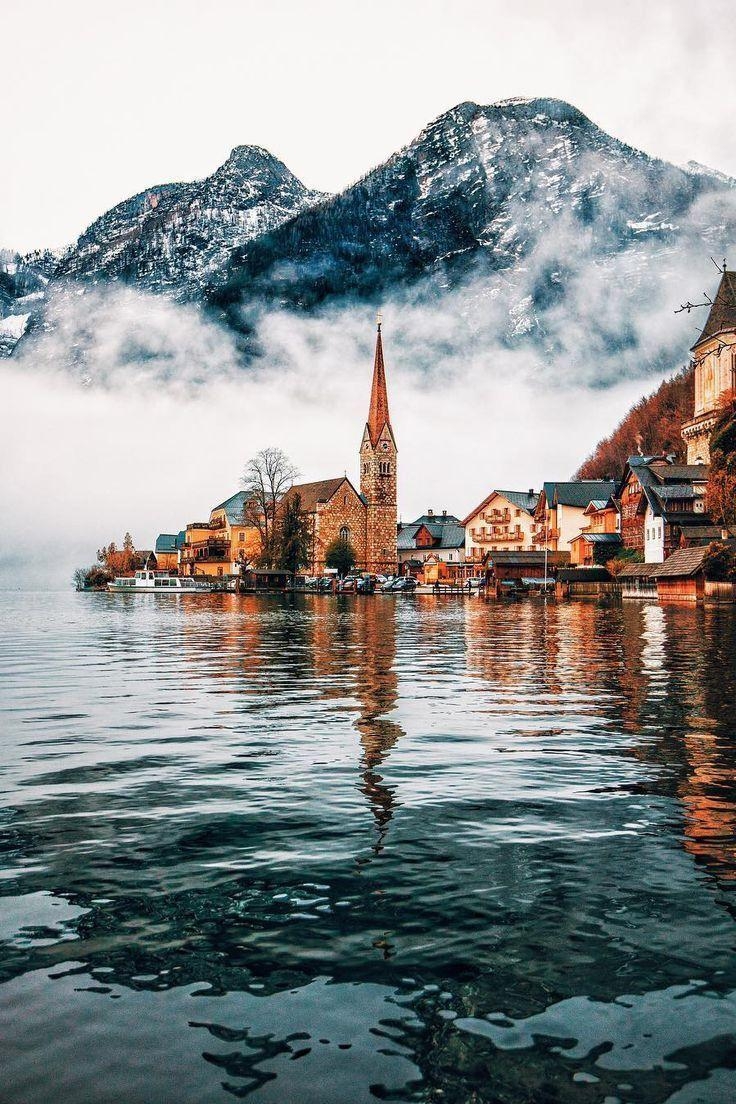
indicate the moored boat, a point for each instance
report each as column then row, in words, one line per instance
column 159, row 583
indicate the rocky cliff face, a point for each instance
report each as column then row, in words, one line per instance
column 175, row 238
column 23, row 280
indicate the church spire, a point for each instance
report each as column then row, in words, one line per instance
column 378, row 415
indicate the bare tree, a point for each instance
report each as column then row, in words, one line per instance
column 266, row 479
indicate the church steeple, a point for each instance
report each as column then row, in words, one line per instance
column 378, row 456
column 378, row 415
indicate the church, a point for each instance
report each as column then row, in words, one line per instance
column 365, row 518
column 714, row 354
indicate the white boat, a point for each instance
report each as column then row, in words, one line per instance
column 153, row 581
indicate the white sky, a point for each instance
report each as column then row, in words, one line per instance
column 103, row 98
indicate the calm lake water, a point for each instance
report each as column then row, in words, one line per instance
column 346, row 850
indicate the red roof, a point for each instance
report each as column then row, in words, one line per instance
column 378, row 415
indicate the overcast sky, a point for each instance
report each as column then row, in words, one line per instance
column 103, row 99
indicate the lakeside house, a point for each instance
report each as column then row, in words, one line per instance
column 600, row 540
column 431, row 547
column 503, row 520
column 560, row 513
column 167, row 549
column 221, row 545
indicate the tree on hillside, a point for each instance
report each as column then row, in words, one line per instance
column 266, row 479
column 340, row 555
column 293, row 535
column 652, row 425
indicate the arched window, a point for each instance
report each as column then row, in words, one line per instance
column 345, row 534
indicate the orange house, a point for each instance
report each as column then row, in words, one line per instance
column 222, row 545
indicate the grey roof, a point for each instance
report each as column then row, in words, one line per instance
column 406, row 537
column 450, row 535
column 679, row 473
column 681, row 564
column 600, row 538
column 722, row 314
column 435, row 519
column 578, row 492
column 638, row 571
column 233, row 507
column 675, row 490
column 522, row 499
column 506, row 558
column 598, row 503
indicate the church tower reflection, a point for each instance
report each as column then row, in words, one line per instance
column 376, row 687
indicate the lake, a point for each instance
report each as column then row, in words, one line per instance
column 315, row 849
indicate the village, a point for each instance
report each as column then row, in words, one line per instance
column 650, row 531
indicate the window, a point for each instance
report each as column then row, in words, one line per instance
column 345, row 533
column 241, row 536
column 344, row 500
column 366, row 469
column 384, row 467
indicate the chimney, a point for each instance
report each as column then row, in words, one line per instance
column 444, row 513
column 531, row 492
column 430, row 513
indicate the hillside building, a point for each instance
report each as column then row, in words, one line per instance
column 560, row 512
column 714, row 354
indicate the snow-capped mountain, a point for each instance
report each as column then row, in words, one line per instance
column 498, row 188
column 174, row 238
column 522, row 224
column 23, row 280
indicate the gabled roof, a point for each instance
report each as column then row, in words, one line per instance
column 637, row 571
column 521, row 499
column 448, row 535
column 681, row 564
column 599, row 538
column 321, row 491
column 578, row 492
column 596, row 574
column 436, row 519
column 722, row 315
column 679, row 473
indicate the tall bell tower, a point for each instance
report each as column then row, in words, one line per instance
column 378, row 455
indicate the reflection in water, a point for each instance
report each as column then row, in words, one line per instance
column 334, row 849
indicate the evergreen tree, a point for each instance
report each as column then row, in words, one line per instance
column 340, row 555
column 293, row 535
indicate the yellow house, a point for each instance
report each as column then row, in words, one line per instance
column 168, row 548
column 600, row 540
column 222, row 545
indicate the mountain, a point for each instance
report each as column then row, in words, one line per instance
column 175, row 238
column 520, row 226
column 23, row 280
column 529, row 196
column 652, row 426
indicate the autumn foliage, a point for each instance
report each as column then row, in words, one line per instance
column 652, row 426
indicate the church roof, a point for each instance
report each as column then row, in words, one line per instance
column 378, row 415
column 313, row 493
column 722, row 315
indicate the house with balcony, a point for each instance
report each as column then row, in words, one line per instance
column 560, row 512
column 223, row 544
column 504, row 521
column 662, row 504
